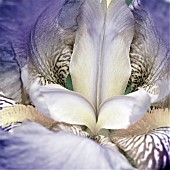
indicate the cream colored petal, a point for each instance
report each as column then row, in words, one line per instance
column 85, row 60
column 115, row 67
column 100, row 65
column 67, row 106
column 154, row 119
column 122, row 111
column 108, row 2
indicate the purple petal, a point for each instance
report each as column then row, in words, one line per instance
column 149, row 55
column 9, row 71
column 159, row 11
column 34, row 147
column 16, row 20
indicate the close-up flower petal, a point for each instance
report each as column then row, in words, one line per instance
column 84, row 84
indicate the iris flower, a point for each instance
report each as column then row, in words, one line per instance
column 116, row 116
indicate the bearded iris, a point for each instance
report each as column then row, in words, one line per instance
column 93, row 47
column 100, row 69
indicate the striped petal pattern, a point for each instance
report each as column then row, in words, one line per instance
column 5, row 103
column 149, row 56
column 148, row 151
column 146, row 144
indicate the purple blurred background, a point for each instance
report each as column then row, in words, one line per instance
column 160, row 12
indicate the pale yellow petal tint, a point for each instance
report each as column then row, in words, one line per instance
column 140, row 140
column 20, row 113
column 152, row 120
column 108, row 3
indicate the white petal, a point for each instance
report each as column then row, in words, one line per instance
column 67, row 106
column 34, row 147
column 87, row 50
column 118, row 36
column 100, row 65
column 163, row 88
column 122, row 111
column 37, row 97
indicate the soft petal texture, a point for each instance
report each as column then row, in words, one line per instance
column 149, row 150
column 162, row 90
column 51, row 42
column 39, row 148
column 87, row 50
column 154, row 119
column 51, row 45
column 147, row 142
column 108, row 2
column 9, row 68
column 122, row 111
column 67, row 106
column 100, row 66
column 149, row 56
column 16, row 19
column 37, row 97
column 159, row 11
column 32, row 31
column 20, row 113
column 115, row 62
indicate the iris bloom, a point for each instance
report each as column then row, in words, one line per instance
column 107, row 48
